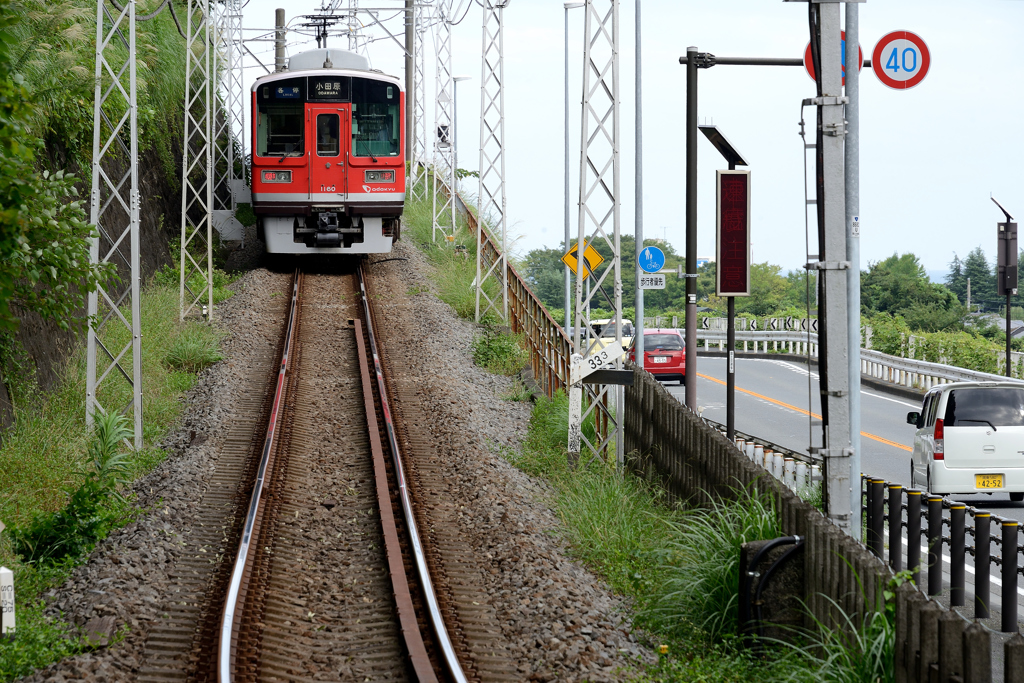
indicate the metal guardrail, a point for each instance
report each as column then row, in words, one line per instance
column 550, row 348
column 903, row 372
column 898, row 518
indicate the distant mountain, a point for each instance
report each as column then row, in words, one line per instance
column 938, row 276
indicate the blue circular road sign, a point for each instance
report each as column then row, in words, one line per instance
column 651, row 260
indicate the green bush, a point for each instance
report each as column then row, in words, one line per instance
column 41, row 639
column 195, row 349
column 701, row 565
column 72, row 532
column 500, row 352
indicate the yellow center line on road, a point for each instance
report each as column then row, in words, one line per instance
column 783, row 404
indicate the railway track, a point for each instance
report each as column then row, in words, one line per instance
column 309, row 563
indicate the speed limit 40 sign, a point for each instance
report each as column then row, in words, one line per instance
column 901, row 60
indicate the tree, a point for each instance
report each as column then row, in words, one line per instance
column 44, row 236
column 767, row 290
column 983, row 281
column 956, row 281
column 900, row 286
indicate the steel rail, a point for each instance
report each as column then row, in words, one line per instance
column 422, row 570
column 225, row 649
column 414, row 645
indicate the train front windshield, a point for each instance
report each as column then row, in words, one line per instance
column 375, row 119
column 280, row 118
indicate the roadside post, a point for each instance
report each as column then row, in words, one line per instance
column 1006, row 278
column 732, row 240
column 7, row 624
column 900, row 60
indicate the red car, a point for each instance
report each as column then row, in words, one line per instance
column 664, row 354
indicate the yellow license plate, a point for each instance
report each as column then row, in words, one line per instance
column 988, row 481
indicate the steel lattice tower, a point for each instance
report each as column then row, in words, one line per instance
column 599, row 220
column 196, row 282
column 228, row 120
column 491, row 195
column 444, row 153
column 418, row 176
column 114, row 308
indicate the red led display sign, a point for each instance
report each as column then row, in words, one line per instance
column 733, row 267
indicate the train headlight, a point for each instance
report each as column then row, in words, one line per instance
column 379, row 176
column 277, row 176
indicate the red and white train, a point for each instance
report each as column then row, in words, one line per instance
column 328, row 164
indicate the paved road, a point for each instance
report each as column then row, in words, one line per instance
column 772, row 403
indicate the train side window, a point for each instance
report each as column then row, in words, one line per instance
column 327, row 131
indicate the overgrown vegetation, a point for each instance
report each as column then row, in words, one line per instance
column 62, row 486
column 497, row 349
column 680, row 566
column 500, row 351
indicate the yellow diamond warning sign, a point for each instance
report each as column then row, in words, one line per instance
column 590, row 256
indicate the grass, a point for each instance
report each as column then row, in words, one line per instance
column 499, row 351
column 680, row 567
column 45, row 461
column 454, row 271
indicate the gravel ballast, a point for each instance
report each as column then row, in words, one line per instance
column 559, row 620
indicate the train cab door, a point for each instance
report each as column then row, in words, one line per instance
column 327, row 167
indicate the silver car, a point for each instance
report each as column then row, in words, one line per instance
column 970, row 439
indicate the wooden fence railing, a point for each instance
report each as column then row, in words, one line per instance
column 694, row 463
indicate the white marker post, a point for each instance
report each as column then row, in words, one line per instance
column 7, row 602
column 580, row 368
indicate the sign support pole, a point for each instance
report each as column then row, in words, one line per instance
column 691, row 228
column 638, row 323
column 730, row 369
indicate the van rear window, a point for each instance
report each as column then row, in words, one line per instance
column 1000, row 406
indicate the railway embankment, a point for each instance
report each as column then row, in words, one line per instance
column 558, row 620
column 46, row 76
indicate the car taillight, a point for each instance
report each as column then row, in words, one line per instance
column 940, row 447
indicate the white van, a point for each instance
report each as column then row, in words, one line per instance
column 970, row 439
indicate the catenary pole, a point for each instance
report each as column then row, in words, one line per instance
column 638, row 324
column 691, row 228
column 853, row 251
column 410, row 80
column 568, row 237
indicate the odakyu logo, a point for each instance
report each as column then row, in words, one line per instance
column 367, row 188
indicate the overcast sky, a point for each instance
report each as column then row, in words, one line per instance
column 930, row 156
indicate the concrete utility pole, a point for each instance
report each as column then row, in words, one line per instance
column 853, row 248
column 834, row 369
column 279, row 39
